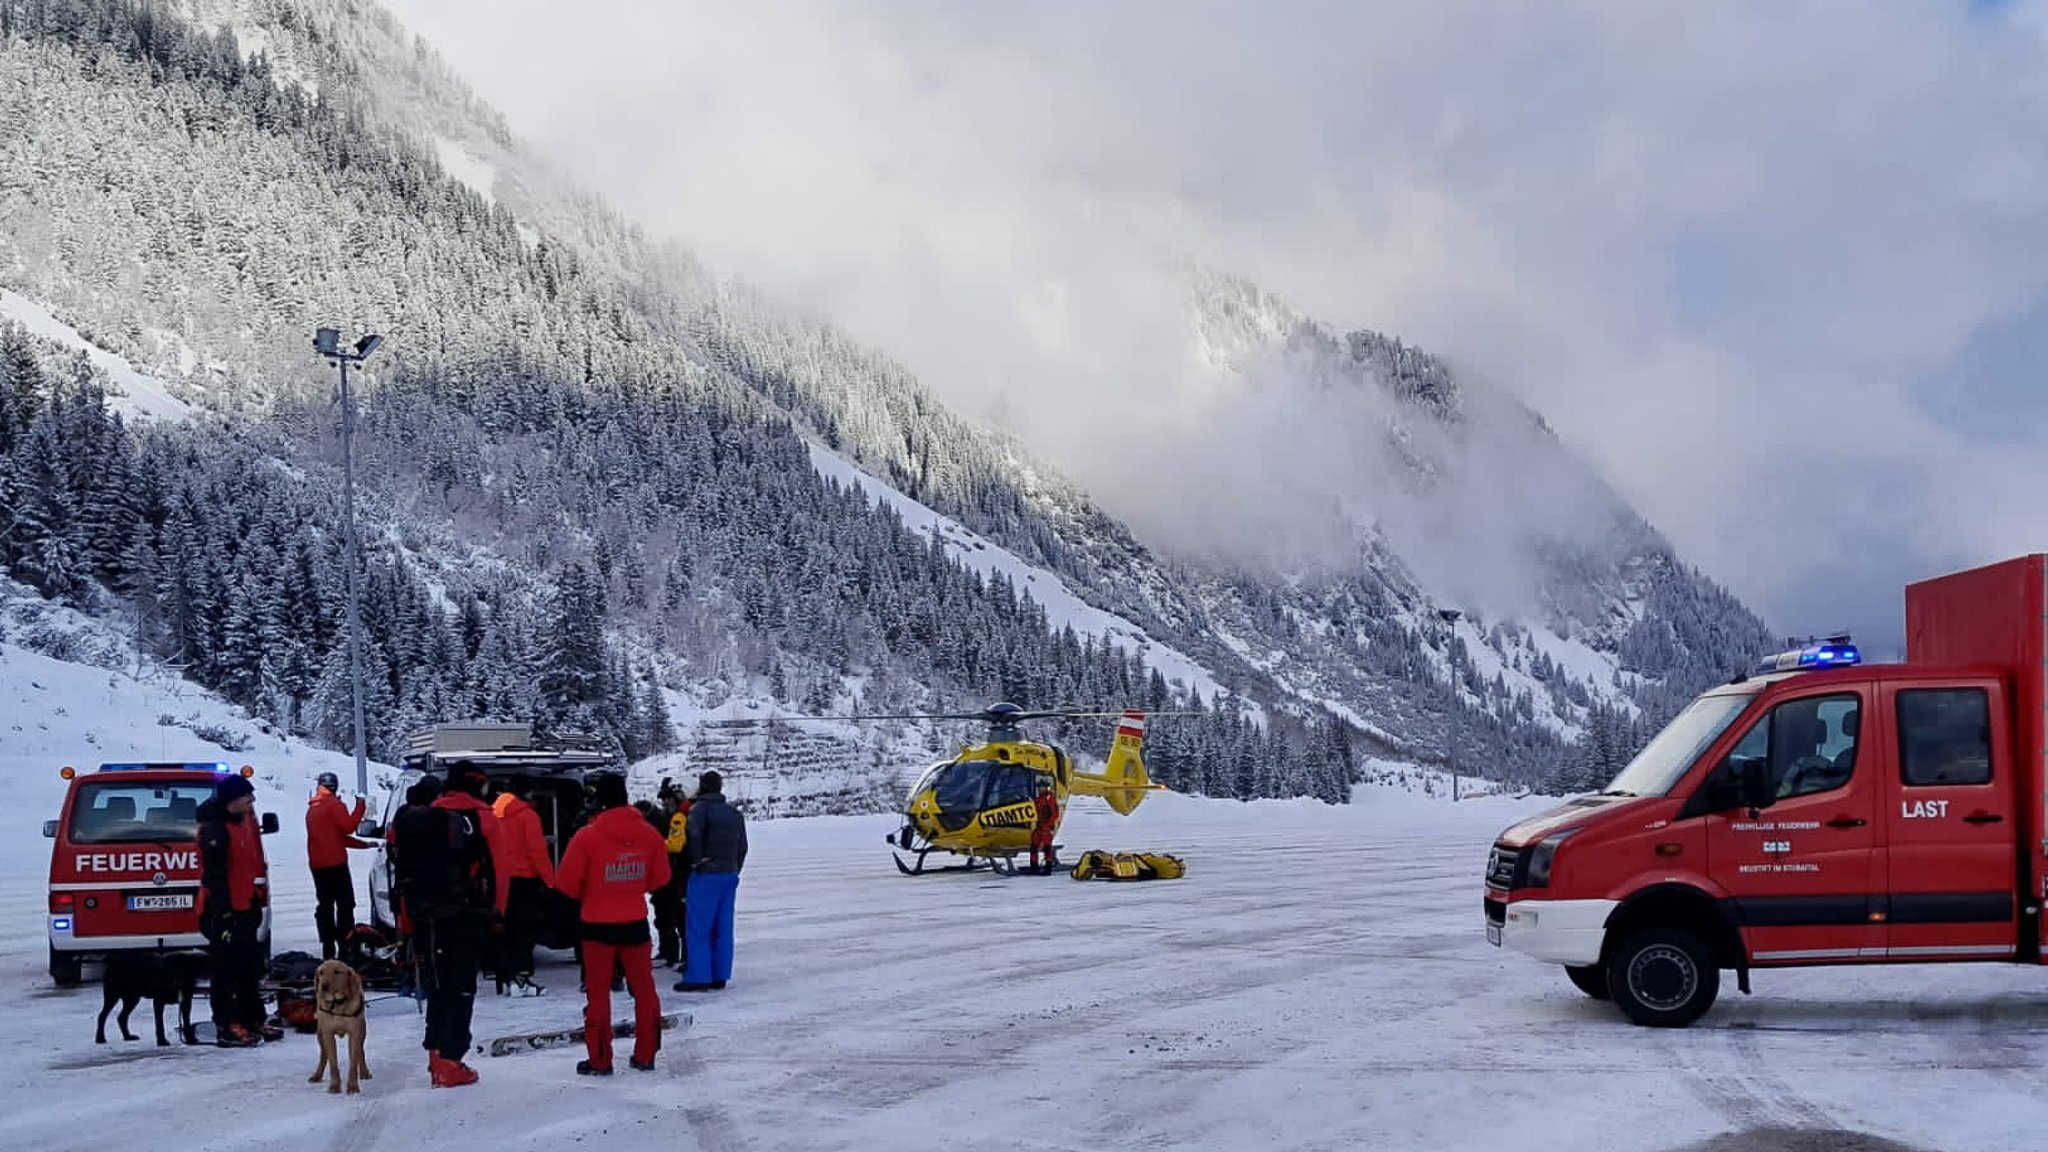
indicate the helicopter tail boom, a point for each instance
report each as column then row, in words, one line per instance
column 1123, row 781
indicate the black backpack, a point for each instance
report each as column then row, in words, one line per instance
column 443, row 864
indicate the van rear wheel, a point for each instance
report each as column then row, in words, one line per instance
column 1663, row 977
column 68, row 971
column 1590, row 979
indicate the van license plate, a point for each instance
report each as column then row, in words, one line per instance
column 171, row 902
column 1493, row 934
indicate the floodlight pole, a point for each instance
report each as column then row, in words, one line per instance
column 1450, row 618
column 327, row 342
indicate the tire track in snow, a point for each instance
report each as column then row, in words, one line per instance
column 1741, row 1085
column 1754, row 1066
column 879, row 1082
column 361, row 1132
column 712, row 1129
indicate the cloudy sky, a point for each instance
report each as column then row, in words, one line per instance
column 1776, row 267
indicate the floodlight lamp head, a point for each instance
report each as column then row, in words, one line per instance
column 327, row 341
column 367, row 345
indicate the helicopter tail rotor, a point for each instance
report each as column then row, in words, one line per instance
column 1123, row 780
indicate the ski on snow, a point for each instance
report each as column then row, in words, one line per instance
column 564, row 1037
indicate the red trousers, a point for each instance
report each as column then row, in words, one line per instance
column 1041, row 842
column 598, row 962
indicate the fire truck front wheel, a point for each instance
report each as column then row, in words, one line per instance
column 1663, row 976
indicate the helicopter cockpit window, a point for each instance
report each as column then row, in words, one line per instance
column 1010, row 784
column 958, row 786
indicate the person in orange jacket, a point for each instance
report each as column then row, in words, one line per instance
column 330, row 833
column 526, row 858
column 613, row 865
column 1047, row 810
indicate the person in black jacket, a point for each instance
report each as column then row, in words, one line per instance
column 232, row 877
column 715, row 842
column 451, row 885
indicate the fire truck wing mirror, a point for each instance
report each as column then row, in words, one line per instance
column 50, row 829
column 369, row 829
column 269, row 823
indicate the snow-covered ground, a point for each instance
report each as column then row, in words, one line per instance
column 1319, row 979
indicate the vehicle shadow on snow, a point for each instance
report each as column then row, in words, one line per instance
column 1799, row 1140
column 2013, row 1013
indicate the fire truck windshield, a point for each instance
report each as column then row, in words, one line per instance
column 1672, row 751
column 134, row 811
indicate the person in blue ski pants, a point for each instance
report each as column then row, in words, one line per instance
column 715, row 840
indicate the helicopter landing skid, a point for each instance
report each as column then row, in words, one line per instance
column 999, row 865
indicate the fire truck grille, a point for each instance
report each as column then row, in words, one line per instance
column 1504, row 867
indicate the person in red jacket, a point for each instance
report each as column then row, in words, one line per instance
column 613, row 864
column 330, row 833
column 1048, row 813
column 526, row 858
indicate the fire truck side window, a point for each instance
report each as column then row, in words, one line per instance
column 1944, row 737
column 1810, row 744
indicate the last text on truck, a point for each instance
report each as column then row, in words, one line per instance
column 1816, row 810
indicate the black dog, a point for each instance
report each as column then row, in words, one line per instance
column 163, row 977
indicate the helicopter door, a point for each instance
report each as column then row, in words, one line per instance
column 1011, row 784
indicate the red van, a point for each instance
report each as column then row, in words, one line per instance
column 124, row 873
column 1817, row 810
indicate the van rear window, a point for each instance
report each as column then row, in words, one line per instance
column 128, row 812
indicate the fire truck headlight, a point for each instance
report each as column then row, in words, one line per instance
column 1544, row 857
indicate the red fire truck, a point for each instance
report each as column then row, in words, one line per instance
column 124, row 873
column 1817, row 810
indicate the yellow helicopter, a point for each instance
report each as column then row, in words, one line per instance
column 980, row 804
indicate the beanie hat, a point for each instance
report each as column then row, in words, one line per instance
column 329, row 781
column 608, row 790
column 710, row 782
column 424, row 790
column 464, row 776
column 231, row 787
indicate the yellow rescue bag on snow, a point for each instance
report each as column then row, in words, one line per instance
column 1097, row 864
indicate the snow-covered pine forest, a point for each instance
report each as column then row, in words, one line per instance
column 584, row 469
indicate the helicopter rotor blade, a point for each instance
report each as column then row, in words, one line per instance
column 1113, row 712
column 751, row 721
column 985, row 716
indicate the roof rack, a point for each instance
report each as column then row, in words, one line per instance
column 489, row 744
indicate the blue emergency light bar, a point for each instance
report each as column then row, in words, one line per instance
column 1836, row 653
column 216, row 767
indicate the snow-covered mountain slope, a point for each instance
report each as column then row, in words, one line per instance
column 569, row 398
column 133, row 393
column 1063, row 609
column 73, row 691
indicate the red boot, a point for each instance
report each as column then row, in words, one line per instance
column 450, row 1073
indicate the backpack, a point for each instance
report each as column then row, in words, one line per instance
column 444, row 864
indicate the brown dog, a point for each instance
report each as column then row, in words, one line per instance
column 338, row 1006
